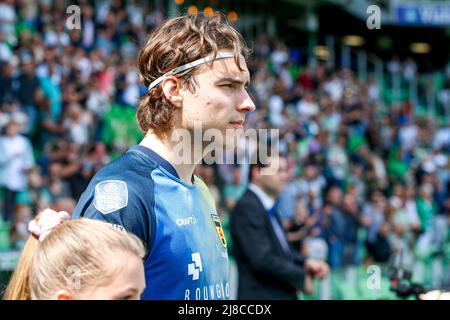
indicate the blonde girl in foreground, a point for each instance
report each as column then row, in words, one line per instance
column 80, row 259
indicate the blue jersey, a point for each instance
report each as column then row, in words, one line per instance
column 142, row 193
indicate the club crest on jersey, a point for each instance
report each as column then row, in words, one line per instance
column 219, row 229
column 110, row 196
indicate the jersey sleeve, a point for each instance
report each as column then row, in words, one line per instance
column 121, row 204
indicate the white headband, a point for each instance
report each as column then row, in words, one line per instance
column 193, row 64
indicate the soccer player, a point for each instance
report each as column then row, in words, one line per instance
column 195, row 71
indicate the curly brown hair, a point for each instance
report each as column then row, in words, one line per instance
column 176, row 42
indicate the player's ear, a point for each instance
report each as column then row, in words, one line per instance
column 63, row 294
column 171, row 90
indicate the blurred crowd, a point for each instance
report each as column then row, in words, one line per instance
column 370, row 181
column 367, row 179
column 67, row 99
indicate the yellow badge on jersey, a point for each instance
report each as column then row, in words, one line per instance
column 219, row 229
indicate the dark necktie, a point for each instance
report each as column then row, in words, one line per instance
column 279, row 231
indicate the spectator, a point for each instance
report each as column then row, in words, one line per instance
column 28, row 86
column 22, row 217
column 235, row 189
column 57, row 36
column 300, row 227
column 426, row 208
column 374, row 219
column 311, row 182
column 307, row 107
column 8, row 20
column 58, row 188
column 7, row 92
column 405, row 223
column 356, row 180
column 78, row 124
column 334, row 226
column 37, row 194
column 351, row 213
column 337, row 165
column 16, row 158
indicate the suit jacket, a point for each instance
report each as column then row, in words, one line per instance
column 266, row 271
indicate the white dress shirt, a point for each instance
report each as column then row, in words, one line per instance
column 268, row 202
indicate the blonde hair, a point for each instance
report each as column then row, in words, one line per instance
column 77, row 248
column 176, row 42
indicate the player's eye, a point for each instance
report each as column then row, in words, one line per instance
column 128, row 297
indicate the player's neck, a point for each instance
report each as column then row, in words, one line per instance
column 169, row 150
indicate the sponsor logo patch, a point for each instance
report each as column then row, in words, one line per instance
column 186, row 221
column 219, row 229
column 195, row 267
column 110, row 196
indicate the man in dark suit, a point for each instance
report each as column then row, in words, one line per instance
column 268, row 268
